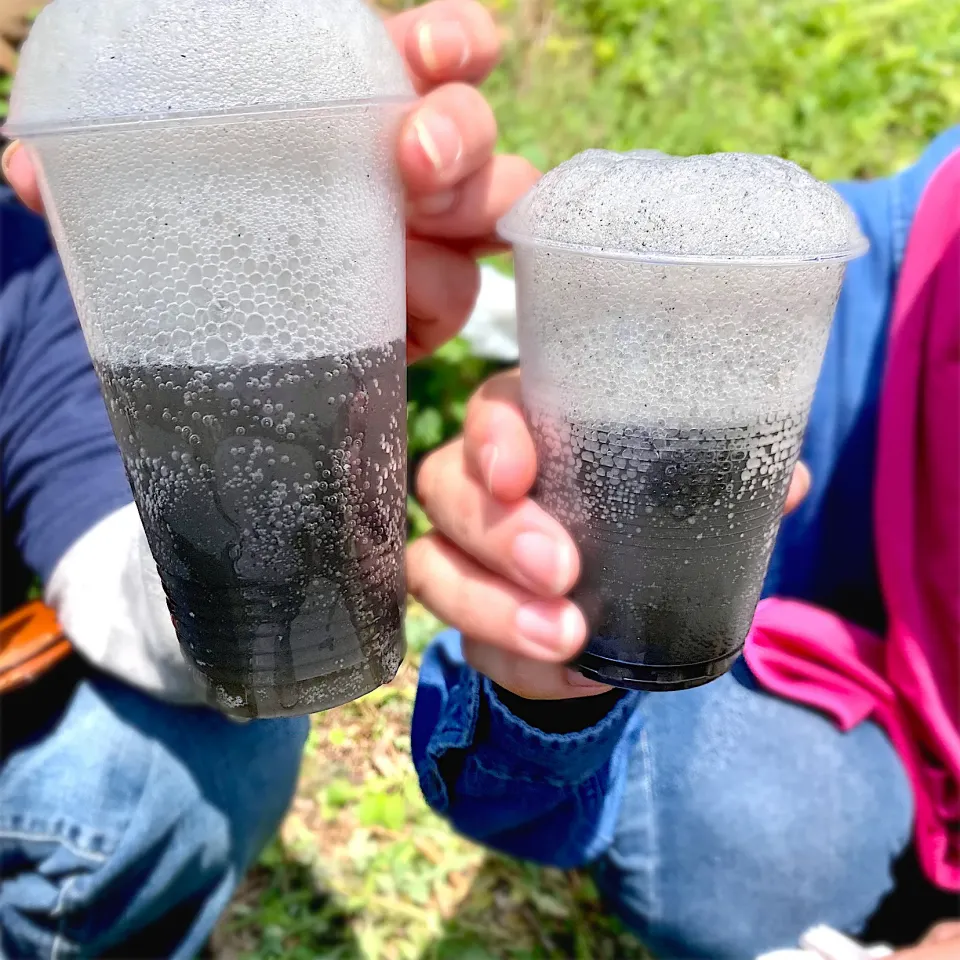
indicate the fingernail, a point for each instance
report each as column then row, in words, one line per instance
column 8, row 156
column 576, row 679
column 552, row 627
column 488, row 463
column 443, row 45
column 433, row 204
column 543, row 561
column 439, row 139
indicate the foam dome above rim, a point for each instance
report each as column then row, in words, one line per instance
column 154, row 60
column 717, row 208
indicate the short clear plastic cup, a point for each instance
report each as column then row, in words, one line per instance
column 671, row 335
column 221, row 184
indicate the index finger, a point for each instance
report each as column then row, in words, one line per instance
column 446, row 41
column 498, row 448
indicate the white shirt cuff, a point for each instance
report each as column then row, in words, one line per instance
column 108, row 598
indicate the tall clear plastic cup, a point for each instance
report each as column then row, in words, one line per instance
column 221, row 184
column 673, row 314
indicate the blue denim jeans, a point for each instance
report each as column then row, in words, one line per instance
column 748, row 819
column 126, row 823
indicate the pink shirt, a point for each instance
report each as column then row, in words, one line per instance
column 909, row 681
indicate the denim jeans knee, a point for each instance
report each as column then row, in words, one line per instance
column 748, row 819
column 130, row 811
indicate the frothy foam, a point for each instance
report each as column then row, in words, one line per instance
column 92, row 60
column 191, row 244
column 226, row 240
column 724, row 206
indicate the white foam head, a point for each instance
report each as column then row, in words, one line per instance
column 722, row 206
column 677, row 291
column 90, row 61
column 220, row 174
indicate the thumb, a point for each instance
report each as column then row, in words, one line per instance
column 19, row 172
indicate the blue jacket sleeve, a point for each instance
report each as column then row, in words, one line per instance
column 555, row 798
column 552, row 798
column 60, row 468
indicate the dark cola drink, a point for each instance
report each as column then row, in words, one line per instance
column 675, row 529
column 273, row 497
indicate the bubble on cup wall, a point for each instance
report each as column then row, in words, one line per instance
column 244, row 241
column 641, row 323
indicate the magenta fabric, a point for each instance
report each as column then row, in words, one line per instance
column 909, row 681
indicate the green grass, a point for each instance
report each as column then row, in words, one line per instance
column 845, row 87
column 363, row 869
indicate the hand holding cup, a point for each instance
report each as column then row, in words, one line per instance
column 498, row 567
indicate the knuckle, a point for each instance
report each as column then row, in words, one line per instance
column 415, row 566
column 487, row 116
column 504, row 387
column 424, row 558
column 475, row 407
column 480, row 407
column 460, row 529
column 425, row 480
column 435, row 465
column 464, row 296
column 470, row 103
column 437, row 481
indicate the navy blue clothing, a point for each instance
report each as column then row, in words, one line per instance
column 60, row 470
column 554, row 797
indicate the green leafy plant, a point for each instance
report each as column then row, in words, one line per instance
column 15, row 19
column 439, row 388
column 844, row 88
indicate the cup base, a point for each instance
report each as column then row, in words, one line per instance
column 654, row 677
column 302, row 697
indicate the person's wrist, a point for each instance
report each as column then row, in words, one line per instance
column 559, row 716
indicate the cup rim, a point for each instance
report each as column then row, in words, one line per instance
column 843, row 255
column 266, row 111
